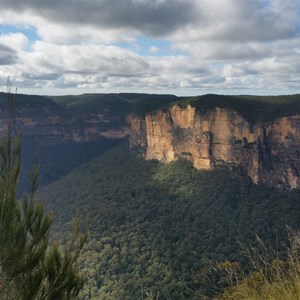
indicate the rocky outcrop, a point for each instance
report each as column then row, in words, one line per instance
column 267, row 152
column 138, row 136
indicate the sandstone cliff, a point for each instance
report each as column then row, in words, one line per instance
column 268, row 152
column 41, row 120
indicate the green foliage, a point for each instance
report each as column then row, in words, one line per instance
column 147, row 103
column 29, row 267
column 152, row 225
column 117, row 103
column 25, row 103
column 93, row 102
column 253, row 108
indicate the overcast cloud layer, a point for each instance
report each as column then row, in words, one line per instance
column 184, row 47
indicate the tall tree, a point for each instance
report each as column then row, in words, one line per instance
column 31, row 268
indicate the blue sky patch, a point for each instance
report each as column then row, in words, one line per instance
column 30, row 32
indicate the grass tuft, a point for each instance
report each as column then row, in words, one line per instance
column 271, row 278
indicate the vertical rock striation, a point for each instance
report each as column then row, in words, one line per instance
column 267, row 152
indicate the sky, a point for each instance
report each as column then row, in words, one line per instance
column 181, row 47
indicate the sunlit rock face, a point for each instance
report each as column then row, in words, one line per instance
column 267, row 152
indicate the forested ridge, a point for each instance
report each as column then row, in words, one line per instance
column 254, row 109
column 157, row 231
column 158, row 228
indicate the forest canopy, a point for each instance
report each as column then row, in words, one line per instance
column 158, row 227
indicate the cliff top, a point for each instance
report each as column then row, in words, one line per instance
column 253, row 108
column 118, row 103
column 25, row 103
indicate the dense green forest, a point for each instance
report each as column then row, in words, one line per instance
column 253, row 108
column 117, row 103
column 160, row 228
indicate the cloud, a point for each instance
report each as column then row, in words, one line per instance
column 243, row 21
column 153, row 17
column 75, row 65
column 179, row 20
column 214, row 45
column 7, row 55
column 86, row 58
column 153, row 49
column 16, row 41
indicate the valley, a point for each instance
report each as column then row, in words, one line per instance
column 165, row 186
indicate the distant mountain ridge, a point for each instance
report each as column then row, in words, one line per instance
column 82, row 118
column 65, row 131
column 258, row 134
